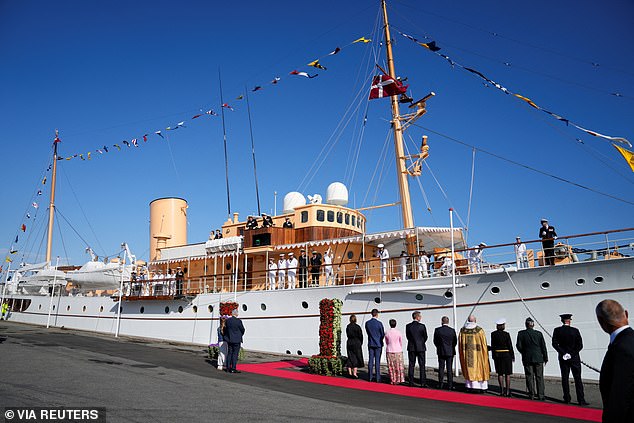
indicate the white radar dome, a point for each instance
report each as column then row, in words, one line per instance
column 337, row 194
column 293, row 199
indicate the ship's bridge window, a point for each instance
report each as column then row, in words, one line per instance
column 347, row 219
column 304, row 216
column 320, row 215
column 354, row 220
column 339, row 217
column 330, row 216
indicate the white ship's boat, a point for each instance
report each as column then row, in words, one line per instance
column 456, row 283
column 31, row 278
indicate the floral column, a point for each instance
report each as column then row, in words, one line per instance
column 328, row 362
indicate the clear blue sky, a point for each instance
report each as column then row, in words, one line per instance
column 104, row 72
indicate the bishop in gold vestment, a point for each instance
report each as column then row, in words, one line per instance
column 474, row 355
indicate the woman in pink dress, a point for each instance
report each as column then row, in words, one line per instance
column 394, row 348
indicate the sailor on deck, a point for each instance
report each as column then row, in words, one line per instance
column 475, row 258
column 287, row 223
column 291, row 264
column 282, row 264
column 272, row 273
column 423, row 265
column 330, row 278
column 521, row 257
column 448, row 266
column 384, row 256
column 402, row 265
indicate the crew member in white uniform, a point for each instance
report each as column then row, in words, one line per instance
column 272, row 274
column 281, row 272
column 330, row 277
column 521, row 256
column 423, row 265
column 291, row 265
column 384, row 256
column 402, row 265
column 447, row 267
column 475, row 258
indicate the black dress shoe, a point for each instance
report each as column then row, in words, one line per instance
column 584, row 402
column 236, row 371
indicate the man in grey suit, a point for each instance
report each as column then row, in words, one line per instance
column 416, row 334
column 234, row 329
column 531, row 344
column 445, row 340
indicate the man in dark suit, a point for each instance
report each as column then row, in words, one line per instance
column 568, row 343
column 616, row 382
column 376, row 333
column 234, row 329
column 445, row 340
column 179, row 280
column 303, row 269
column 548, row 236
column 530, row 343
column 416, row 334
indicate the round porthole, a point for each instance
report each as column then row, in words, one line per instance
column 68, row 308
column 350, row 255
column 419, row 297
column 142, row 310
column 598, row 279
column 448, row 294
column 100, row 309
column 545, row 285
column 495, row 290
column 83, row 308
column 288, row 352
column 228, row 266
column 167, row 310
column 304, row 304
column 195, row 309
column 580, row 281
column 210, row 308
column 180, row 309
column 299, row 352
column 244, row 307
column 377, row 300
column 263, row 307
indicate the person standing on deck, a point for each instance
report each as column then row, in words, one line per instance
column 315, row 268
column 521, row 257
column 548, row 236
column 287, row 223
column 384, row 256
column 303, row 269
column 423, row 265
column 282, row 264
column 474, row 356
column 272, row 274
column 291, row 270
column 330, row 276
column 475, row 257
column 402, row 265
column 179, row 275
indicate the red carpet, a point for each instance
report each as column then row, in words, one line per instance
column 281, row 369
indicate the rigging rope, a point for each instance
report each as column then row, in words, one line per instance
column 444, row 193
column 550, row 175
column 535, row 317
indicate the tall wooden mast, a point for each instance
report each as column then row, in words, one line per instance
column 51, row 205
column 401, row 167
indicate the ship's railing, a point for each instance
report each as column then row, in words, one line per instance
column 568, row 249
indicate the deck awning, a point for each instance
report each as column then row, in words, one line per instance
column 428, row 239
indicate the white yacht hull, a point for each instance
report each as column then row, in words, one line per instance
column 287, row 321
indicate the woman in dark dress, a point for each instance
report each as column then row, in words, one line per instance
column 353, row 346
column 503, row 356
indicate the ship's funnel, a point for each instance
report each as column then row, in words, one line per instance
column 292, row 200
column 168, row 224
column 337, row 194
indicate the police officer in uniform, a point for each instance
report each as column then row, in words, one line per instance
column 567, row 342
column 548, row 236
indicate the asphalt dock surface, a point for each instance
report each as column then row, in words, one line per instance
column 139, row 380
